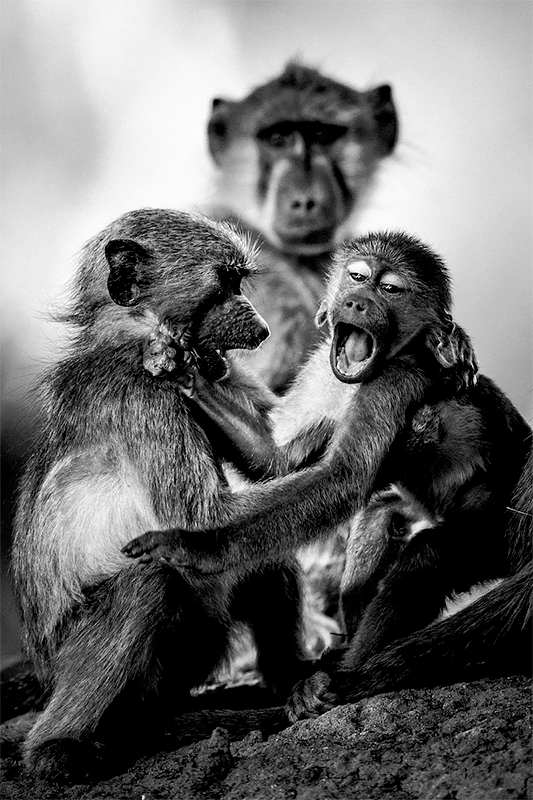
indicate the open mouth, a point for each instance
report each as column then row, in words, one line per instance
column 211, row 362
column 353, row 352
column 222, row 365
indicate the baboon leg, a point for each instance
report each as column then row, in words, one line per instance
column 354, row 604
column 130, row 633
column 493, row 636
column 270, row 601
column 410, row 596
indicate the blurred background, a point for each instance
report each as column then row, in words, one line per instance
column 104, row 108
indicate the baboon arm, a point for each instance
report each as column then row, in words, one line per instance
column 241, row 427
column 241, row 423
column 276, row 518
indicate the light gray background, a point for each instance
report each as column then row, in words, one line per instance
column 104, row 110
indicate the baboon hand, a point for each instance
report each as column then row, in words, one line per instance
column 178, row 548
column 166, row 350
column 311, row 697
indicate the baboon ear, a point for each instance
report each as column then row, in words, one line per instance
column 125, row 258
column 217, row 128
column 384, row 112
column 453, row 350
column 321, row 316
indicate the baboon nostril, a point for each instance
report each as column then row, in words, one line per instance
column 303, row 204
column 356, row 305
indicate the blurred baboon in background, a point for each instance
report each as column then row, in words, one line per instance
column 294, row 159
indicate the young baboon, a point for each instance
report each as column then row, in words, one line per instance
column 433, row 463
column 294, row 160
column 114, row 641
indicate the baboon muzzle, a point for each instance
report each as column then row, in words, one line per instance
column 307, row 205
column 232, row 325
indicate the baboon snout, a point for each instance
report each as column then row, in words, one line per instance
column 356, row 304
column 262, row 331
column 234, row 325
column 248, row 332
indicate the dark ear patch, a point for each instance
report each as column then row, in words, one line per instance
column 384, row 111
column 125, row 257
column 217, row 128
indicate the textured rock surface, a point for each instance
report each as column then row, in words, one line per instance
column 463, row 742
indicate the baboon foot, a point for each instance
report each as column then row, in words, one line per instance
column 67, row 760
column 311, row 697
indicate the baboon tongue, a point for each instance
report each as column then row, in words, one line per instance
column 357, row 347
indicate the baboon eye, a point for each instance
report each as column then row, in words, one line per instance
column 277, row 135
column 359, row 271
column 279, row 139
column 392, row 283
column 325, row 135
column 390, row 288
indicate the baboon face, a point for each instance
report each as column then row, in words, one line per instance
column 308, row 146
column 188, row 276
column 385, row 291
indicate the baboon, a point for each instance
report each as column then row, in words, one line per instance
column 294, row 160
column 436, row 491
column 118, row 643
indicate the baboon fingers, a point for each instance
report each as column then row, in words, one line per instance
column 147, row 544
column 179, row 549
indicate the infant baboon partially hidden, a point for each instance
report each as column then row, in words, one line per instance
column 122, row 451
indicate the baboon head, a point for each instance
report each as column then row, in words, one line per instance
column 389, row 294
column 295, row 154
column 159, row 266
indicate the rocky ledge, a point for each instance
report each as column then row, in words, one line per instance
column 469, row 741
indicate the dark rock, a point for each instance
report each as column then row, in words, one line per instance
column 462, row 742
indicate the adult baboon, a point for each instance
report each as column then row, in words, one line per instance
column 294, row 160
column 115, row 642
